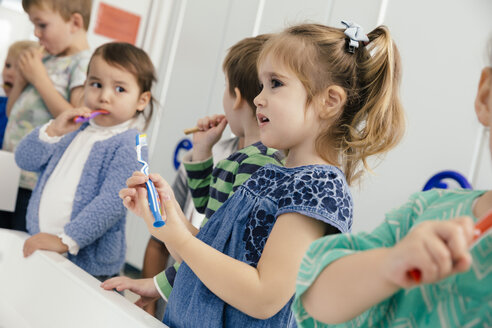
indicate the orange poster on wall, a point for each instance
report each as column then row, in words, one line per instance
column 116, row 23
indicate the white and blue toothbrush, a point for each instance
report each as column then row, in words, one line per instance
column 153, row 197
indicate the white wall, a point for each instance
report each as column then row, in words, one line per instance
column 442, row 57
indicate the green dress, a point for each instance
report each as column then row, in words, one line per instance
column 463, row 300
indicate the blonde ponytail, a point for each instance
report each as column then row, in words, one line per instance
column 379, row 123
column 372, row 120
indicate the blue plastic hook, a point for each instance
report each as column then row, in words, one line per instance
column 436, row 181
column 185, row 144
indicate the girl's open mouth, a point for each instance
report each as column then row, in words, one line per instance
column 262, row 119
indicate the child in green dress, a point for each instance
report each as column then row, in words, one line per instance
column 363, row 280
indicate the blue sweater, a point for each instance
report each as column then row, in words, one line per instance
column 97, row 222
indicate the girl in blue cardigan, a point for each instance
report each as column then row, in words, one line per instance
column 75, row 206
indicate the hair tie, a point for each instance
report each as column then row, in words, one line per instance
column 356, row 34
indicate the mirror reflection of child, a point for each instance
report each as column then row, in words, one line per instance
column 75, row 206
column 9, row 76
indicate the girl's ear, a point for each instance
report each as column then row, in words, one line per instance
column 239, row 98
column 483, row 100
column 333, row 100
column 143, row 101
column 77, row 21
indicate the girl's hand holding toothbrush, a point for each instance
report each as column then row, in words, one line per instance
column 137, row 191
column 135, row 199
column 64, row 123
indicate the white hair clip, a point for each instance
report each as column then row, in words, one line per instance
column 356, row 34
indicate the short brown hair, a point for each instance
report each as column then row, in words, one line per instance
column 16, row 48
column 133, row 60
column 66, row 8
column 240, row 67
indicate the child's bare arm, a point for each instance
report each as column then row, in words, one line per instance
column 352, row 284
column 33, row 70
column 259, row 292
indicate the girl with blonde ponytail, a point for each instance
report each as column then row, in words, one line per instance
column 329, row 102
column 371, row 119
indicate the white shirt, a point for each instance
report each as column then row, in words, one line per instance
column 55, row 207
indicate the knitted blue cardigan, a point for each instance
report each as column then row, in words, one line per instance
column 97, row 222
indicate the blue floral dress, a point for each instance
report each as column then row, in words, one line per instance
column 240, row 229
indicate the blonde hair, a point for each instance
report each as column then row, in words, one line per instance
column 372, row 119
column 16, row 48
column 66, row 8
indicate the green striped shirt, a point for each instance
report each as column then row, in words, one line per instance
column 462, row 300
column 210, row 188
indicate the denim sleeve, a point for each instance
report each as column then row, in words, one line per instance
column 322, row 194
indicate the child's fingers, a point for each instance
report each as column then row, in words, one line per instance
column 40, row 52
column 128, row 203
column 30, row 245
column 217, row 118
column 454, row 234
column 136, row 180
column 160, row 183
column 26, row 250
column 168, row 205
column 81, row 111
column 222, row 124
column 127, row 193
column 468, row 227
column 209, row 122
column 118, row 283
column 158, row 180
column 463, row 264
column 202, row 123
column 141, row 303
column 421, row 260
column 441, row 258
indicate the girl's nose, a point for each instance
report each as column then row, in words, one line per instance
column 104, row 95
column 259, row 100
